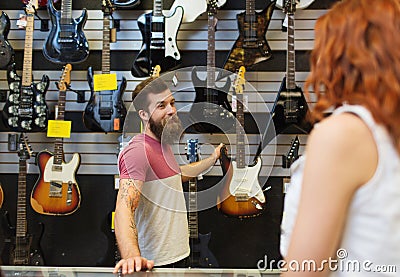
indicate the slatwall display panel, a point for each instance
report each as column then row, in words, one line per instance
column 98, row 150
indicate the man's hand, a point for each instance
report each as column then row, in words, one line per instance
column 131, row 265
column 217, row 151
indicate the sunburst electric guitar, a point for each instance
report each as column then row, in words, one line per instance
column 56, row 192
column 242, row 195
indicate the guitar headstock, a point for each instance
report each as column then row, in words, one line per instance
column 30, row 6
column 212, row 7
column 290, row 6
column 155, row 72
column 107, row 7
column 239, row 82
column 65, row 79
column 25, row 150
column 292, row 154
column 192, row 150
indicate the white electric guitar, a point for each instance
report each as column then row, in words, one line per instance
column 242, row 195
column 300, row 4
column 193, row 9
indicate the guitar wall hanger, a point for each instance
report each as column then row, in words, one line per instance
column 80, row 94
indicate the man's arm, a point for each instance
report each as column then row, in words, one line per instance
column 195, row 169
column 125, row 227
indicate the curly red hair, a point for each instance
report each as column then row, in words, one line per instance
column 356, row 60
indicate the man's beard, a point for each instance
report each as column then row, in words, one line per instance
column 167, row 130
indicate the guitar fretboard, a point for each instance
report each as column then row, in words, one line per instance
column 192, row 213
column 157, row 8
column 66, row 12
column 27, row 67
column 240, row 134
column 105, row 53
column 58, row 144
column 250, row 24
column 21, row 227
column 290, row 66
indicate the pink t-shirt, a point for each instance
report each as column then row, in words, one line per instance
column 145, row 159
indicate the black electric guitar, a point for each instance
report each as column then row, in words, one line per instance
column 290, row 107
column 6, row 51
column 21, row 248
column 251, row 47
column 56, row 192
column 242, row 195
column 106, row 110
column 200, row 255
column 66, row 42
column 159, row 40
column 293, row 153
column 26, row 109
column 211, row 111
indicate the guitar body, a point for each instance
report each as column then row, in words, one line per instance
column 200, row 254
column 247, row 53
column 6, row 51
column 105, row 110
column 26, row 111
column 290, row 109
column 66, row 43
column 160, row 49
column 20, row 250
column 242, row 195
column 56, row 192
column 211, row 107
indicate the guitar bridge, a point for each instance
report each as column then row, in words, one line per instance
column 241, row 197
column 55, row 189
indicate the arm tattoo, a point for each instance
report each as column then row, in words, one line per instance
column 130, row 193
column 132, row 225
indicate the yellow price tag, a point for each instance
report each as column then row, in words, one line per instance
column 105, row 82
column 59, row 129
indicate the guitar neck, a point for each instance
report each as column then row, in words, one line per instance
column 105, row 53
column 211, row 51
column 290, row 66
column 21, row 227
column 27, row 67
column 192, row 213
column 66, row 12
column 157, row 7
column 250, row 26
column 240, row 144
column 58, row 144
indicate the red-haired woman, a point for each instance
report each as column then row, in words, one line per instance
column 342, row 210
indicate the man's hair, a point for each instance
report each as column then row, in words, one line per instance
column 153, row 85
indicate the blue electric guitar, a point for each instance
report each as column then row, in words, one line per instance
column 159, row 40
column 200, row 255
column 106, row 110
column 66, row 42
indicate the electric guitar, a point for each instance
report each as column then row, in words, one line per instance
column 211, row 111
column 105, row 110
column 193, row 9
column 293, row 153
column 66, row 42
column 56, row 192
column 290, row 107
column 251, row 47
column 21, row 248
column 159, row 40
column 6, row 51
column 242, row 195
column 300, row 4
column 26, row 109
column 200, row 255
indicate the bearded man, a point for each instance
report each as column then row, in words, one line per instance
column 151, row 224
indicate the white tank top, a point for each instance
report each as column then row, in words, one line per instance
column 371, row 237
